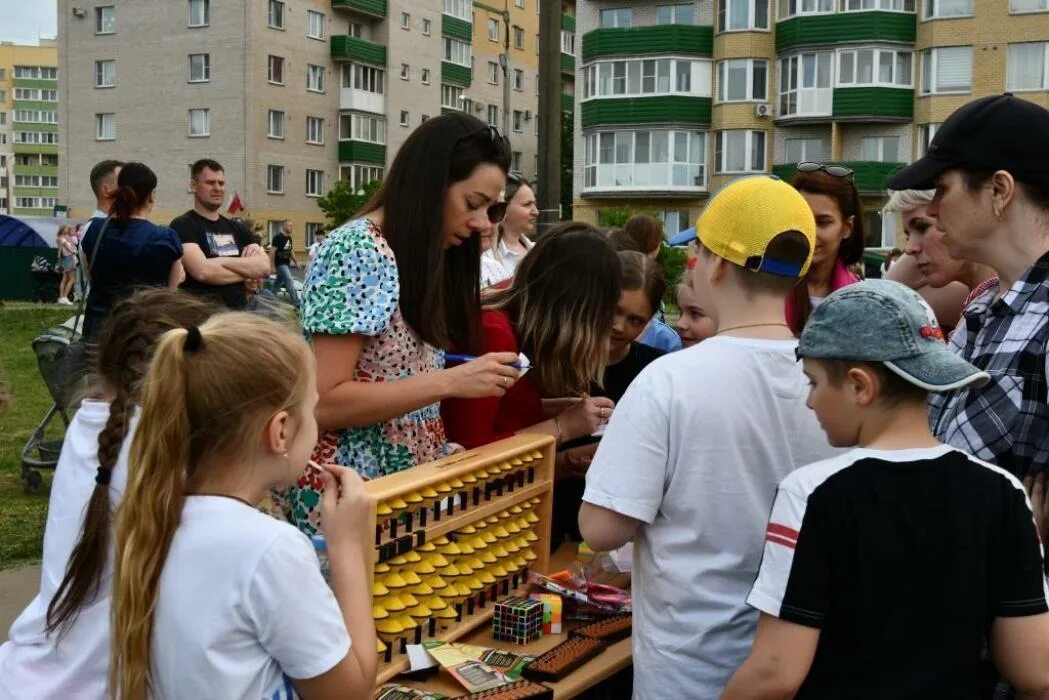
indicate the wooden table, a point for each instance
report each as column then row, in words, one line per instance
column 610, row 661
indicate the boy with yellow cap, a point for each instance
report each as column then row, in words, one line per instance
column 689, row 464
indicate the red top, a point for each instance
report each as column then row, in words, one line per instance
column 476, row 422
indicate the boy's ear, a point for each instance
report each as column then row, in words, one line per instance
column 863, row 385
column 718, row 270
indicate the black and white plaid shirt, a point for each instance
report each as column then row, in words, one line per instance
column 1005, row 422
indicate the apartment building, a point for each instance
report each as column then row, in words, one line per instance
column 680, row 98
column 28, row 129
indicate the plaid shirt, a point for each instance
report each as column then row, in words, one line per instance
column 1005, row 422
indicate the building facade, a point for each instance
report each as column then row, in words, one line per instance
column 28, row 129
column 678, row 99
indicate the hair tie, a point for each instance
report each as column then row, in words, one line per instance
column 103, row 476
column 193, row 339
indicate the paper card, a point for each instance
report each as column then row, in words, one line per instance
column 419, row 658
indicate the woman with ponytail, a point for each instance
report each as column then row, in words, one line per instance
column 59, row 646
column 212, row 598
column 132, row 252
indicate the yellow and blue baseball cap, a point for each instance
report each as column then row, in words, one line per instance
column 741, row 220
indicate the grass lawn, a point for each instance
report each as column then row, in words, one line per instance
column 22, row 515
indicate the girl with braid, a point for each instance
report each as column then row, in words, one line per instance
column 59, row 645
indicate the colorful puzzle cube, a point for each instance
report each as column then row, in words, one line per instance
column 518, row 620
column 552, row 606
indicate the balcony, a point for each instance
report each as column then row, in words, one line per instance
column 362, row 152
column 880, row 104
column 669, row 109
column 454, row 74
column 457, row 28
column 361, row 100
column 869, row 175
column 567, row 23
column 677, row 39
column 351, row 48
column 567, row 103
column 568, row 64
column 845, row 28
column 375, row 8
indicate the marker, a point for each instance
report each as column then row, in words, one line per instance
column 461, row 359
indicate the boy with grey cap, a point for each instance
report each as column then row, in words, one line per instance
column 888, row 569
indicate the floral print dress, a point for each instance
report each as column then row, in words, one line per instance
column 352, row 286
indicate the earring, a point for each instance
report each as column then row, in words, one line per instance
column 997, row 212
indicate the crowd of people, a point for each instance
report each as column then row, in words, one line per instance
column 829, row 492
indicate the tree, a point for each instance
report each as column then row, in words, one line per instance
column 341, row 203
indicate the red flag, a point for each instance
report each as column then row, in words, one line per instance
column 235, row 204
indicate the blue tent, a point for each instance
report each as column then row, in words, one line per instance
column 21, row 241
column 18, row 234
column 683, row 238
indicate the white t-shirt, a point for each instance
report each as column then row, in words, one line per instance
column 508, row 258
column 695, row 451
column 492, row 272
column 241, row 603
column 32, row 665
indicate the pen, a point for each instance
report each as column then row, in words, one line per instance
column 460, row 359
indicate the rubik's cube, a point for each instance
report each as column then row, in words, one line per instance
column 518, row 620
column 552, row 607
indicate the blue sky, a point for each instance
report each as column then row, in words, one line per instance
column 22, row 21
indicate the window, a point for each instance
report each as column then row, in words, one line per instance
column 405, row 119
column 883, row 67
column 463, row 9
column 493, row 73
column 425, row 77
column 105, row 20
column 311, row 231
column 493, row 115
column 518, row 120
column 675, row 14
column 362, row 127
column 35, row 72
column 805, row 85
column 360, row 175
column 742, row 15
column 567, row 42
column 406, row 20
column 890, row 5
column 947, row 70
column 1028, row 66
column 800, row 150
column 518, row 79
column 314, row 78
column 792, row 8
column 35, row 202
column 451, row 96
column 275, row 121
column 105, row 127
column 925, row 134
column 653, row 76
column 199, row 122
column 520, row 3
column 276, row 14
column 199, row 13
column 105, row 75
column 314, row 183
column 493, row 29
column 426, row 27
column 314, row 24
column 366, row 78
column 742, row 80
column 1028, row 5
column 515, row 161
column 458, row 52
column 406, row 71
column 884, row 149
column 939, row 9
column 354, row 29
column 739, row 151
column 275, row 179
column 276, row 70
column 32, row 116
column 621, row 17
column 657, row 160
column 199, row 67
column 518, row 38
column 314, row 130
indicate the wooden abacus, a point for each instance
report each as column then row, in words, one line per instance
column 452, row 537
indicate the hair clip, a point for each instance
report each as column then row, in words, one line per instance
column 193, row 339
column 103, row 476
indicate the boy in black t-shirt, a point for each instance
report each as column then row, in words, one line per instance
column 889, row 569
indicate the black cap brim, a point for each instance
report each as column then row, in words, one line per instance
column 919, row 175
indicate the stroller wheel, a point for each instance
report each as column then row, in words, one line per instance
column 32, row 481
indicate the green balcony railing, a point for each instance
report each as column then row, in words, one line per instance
column 874, row 102
column 869, row 175
column 672, row 109
column 684, row 39
column 567, row 103
column 457, row 28
column 567, row 22
column 845, row 28
column 455, row 74
column 362, row 152
column 568, row 63
column 376, row 8
column 351, row 48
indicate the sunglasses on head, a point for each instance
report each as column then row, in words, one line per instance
column 832, row 170
column 497, row 212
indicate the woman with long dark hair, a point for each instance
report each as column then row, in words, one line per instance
column 133, row 252
column 388, row 293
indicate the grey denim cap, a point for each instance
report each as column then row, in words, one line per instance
column 887, row 322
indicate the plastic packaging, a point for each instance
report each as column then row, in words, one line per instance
column 321, row 546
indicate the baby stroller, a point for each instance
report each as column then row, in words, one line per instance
column 60, row 359
column 47, row 277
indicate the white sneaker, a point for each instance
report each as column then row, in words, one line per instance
column 64, row 301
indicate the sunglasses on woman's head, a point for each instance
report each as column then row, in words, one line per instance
column 832, row 170
column 497, row 212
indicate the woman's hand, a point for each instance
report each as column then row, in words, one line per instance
column 344, row 507
column 1039, row 495
column 585, row 417
column 488, row 376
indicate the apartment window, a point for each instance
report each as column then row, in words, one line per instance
column 406, row 20
column 3, row 76
column 457, row 52
column 889, row 5
column 493, row 73
column 314, row 130
column 199, row 67
column 105, row 19
column 926, row 132
column 883, row 67
column 32, row 116
column 633, row 77
column 354, row 29
column 617, row 17
column 360, row 175
column 742, row 80
column 1028, row 66
column 314, row 24
column 941, row 9
column 1028, row 5
column 742, row 15
column 425, row 76
column 451, row 96
column 406, row 71
column 518, row 38
column 520, row 3
column 3, row 116
column 515, row 161
column 426, row 27
column 805, row 84
column 493, row 115
column 739, row 151
column 105, row 74
column 276, row 14
column 567, row 43
column 800, row 150
column 275, row 179
column 518, row 79
column 947, row 70
column 493, row 29
column 792, row 8
column 314, row 183
column 657, row 159
column 675, row 14
column 405, row 119
column 314, row 78
column 362, row 127
column 275, row 122
column 463, row 9
column 275, row 73
column 199, row 13
column 199, row 122
column 105, row 127
column 884, row 149
column 518, row 118
column 366, row 78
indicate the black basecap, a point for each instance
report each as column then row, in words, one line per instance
column 1001, row 132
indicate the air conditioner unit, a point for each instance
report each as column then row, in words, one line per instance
column 79, row 12
column 763, row 109
column 528, row 115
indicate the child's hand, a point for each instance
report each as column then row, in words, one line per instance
column 585, row 417
column 344, row 507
